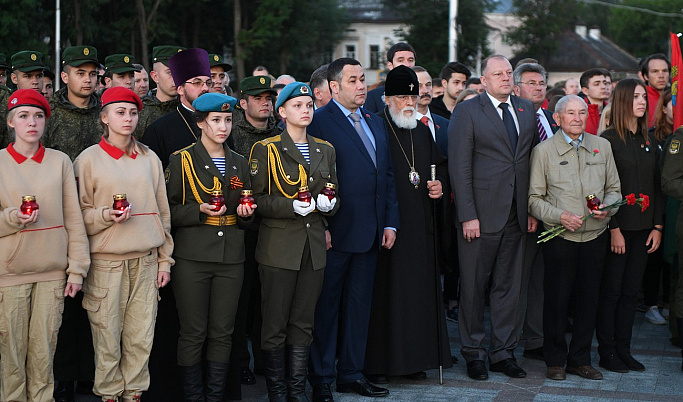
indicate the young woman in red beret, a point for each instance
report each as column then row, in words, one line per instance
column 43, row 250
column 122, row 194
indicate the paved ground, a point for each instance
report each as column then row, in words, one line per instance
column 662, row 380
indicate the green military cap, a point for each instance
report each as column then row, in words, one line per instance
column 164, row 52
column 256, row 85
column 79, row 55
column 3, row 62
column 120, row 63
column 217, row 60
column 27, row 60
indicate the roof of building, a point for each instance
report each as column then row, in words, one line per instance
column 582, row 49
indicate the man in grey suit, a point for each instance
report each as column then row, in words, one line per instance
column 490, row 138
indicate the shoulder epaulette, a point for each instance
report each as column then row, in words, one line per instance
column 182, row 149
column 319, row 141
column 275, row 138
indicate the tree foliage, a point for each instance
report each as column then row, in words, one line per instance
column 287, row 36
column 427, row 30
column 543, row 21
column 641, row 33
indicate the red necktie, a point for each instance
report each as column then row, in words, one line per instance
column 425, row 120
column 541, row 130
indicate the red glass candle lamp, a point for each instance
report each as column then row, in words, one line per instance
column 217, row 199
column 247, row 198
column 120, row 203
column 592, row 202
column 329, row 191
column 28, row 204
column 304, row 194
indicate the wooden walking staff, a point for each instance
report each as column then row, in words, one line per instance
column 437, row 282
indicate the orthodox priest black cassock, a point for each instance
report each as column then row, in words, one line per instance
column 407, row 316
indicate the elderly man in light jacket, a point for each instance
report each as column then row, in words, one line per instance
column 564, row 171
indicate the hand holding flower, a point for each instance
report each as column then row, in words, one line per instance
column 570, row 221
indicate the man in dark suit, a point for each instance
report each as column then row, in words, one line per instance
column 489, row 150
column 400, row 54
column 530, row 84
column 437, row 124
column 366, row 220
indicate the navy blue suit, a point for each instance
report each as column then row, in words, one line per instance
column 374, row 103
column 369, row 206
column 441, row 133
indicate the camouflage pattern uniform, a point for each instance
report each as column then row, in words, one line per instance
column 244, row 135
column 5, row 139
column 71, row 129
column 152, row 109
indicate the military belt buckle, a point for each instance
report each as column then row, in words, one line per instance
column 223, row 221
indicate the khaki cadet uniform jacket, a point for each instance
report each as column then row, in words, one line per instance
column 277, row 167
column 561, row 178
column 71, row 129
column 199, row 237
column 152, row 109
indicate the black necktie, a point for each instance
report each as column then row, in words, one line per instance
column 509, row 125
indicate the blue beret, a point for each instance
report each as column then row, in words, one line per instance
column 292, row 90
column 214, row 102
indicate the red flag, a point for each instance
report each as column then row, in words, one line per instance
column 676, row 65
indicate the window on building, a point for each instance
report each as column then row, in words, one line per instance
column 350, row 51
column 374, row 57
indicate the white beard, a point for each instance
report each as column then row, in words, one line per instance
column 402, row 121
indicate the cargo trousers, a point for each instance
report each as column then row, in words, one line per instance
column 30, row 317
column 121, row 298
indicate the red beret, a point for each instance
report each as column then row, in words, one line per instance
column 28, row 97
column 121, row 94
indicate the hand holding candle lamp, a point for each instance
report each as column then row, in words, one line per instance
column 29, row 210
column 327, row 198
column 120, row 211
column 247, row 204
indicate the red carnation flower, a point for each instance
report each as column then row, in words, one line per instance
column 631, row 199
column 645, row 202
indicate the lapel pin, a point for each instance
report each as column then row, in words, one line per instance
column 234, row 167
column 284, row 149
column 317, row 150
column 206, row 166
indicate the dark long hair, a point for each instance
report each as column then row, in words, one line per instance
column 662, row 127
column 622, row 108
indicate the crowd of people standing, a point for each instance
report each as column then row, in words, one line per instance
column 317, row 218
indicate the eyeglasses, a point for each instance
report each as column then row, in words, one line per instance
column 199, row 83
column 534, row 83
